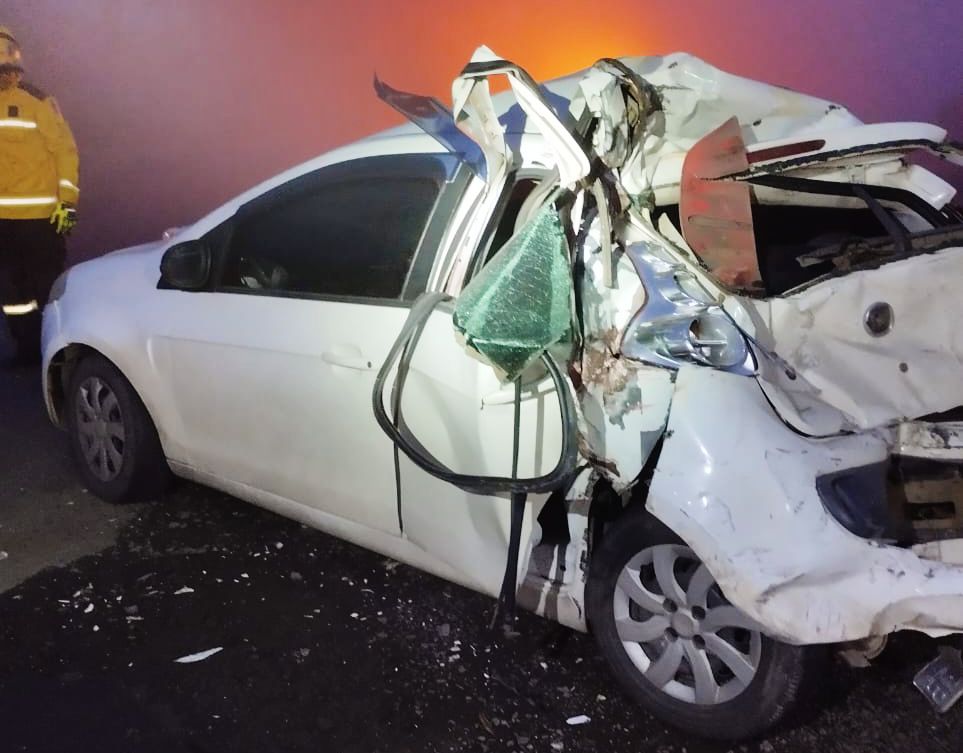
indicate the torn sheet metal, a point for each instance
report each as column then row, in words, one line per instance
column 695, row 99
column 860, row 654
column 715, row 209
column 877, row 374
column 935, row 441
column 868, row 253
column 628, row 121
column 787, row 564
column 434, row 118
column 474, row 111
column 795, row 400
column 624, row 407
column 623, row 404
column 615, row 410
column 554, row 584
column 716, row 215
column 859, row 145
column 475, row 116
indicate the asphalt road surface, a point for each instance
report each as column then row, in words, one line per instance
column 321, row 646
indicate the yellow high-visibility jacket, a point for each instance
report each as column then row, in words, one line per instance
column 38, row 155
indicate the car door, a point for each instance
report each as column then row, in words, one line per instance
column 272, row 368
column 453, row 402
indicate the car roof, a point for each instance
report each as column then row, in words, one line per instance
column 404, row 139
column 698, row 97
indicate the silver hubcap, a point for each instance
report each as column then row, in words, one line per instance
column 680, row 631
column 100, row 427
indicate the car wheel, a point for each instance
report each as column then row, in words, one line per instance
column 113, row 439
column 677, row 645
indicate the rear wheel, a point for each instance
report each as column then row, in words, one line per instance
column 677, row 645
column 114, row 442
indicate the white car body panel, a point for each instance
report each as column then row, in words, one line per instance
column 266, row 391
column 397, row 547
column 788, row 564
column 464, row 416
column 911, row 371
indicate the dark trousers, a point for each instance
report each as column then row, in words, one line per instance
column 31, row 256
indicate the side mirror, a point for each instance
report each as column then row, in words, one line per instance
column 186, row 266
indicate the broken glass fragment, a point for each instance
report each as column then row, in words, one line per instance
column 521, row 301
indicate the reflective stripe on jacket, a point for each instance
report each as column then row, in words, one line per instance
column 38, row 156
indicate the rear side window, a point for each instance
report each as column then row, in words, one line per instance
column 352, row 230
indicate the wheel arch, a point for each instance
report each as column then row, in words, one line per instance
column 60, row 370
column 609, row 506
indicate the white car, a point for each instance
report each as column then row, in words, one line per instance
column 704, row 359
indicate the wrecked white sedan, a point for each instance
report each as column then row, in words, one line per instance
column 660, row 352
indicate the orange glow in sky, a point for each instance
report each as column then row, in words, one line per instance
column 179, row 105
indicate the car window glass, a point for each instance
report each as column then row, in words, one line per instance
column 352, row 236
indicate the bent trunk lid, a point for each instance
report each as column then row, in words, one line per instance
column 877, row 337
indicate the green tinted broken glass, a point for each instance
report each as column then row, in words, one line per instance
column 521, row 301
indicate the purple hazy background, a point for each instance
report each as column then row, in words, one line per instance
column 177, row 105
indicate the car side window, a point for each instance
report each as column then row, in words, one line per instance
column 352, row 230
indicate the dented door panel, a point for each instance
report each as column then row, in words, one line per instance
column 456, row 407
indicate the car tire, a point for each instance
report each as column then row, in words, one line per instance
column 113, row 440
column 746, row 682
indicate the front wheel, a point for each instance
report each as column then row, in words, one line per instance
column 677, row 645
column 114, row 442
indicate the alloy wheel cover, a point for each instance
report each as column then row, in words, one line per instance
column 680, row 631
column 100, row 428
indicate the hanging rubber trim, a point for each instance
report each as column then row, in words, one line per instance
column 394, row 426
column 505, row 606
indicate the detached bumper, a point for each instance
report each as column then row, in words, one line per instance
column 741, row 488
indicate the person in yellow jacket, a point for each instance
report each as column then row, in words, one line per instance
column 38, row 196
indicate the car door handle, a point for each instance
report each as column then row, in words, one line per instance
column 347, row 360
column 506, row 395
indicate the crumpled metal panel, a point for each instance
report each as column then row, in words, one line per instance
column 739, row 487
column 623, row 404
column 434, row 118
column 911, row 370
column 475, row 112
column 716, row 215
column 554, row 584
column 733, row 480
column 521, row 301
